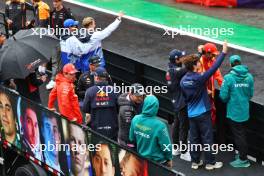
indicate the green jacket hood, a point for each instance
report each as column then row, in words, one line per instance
column 240, row 72
column 150, row 106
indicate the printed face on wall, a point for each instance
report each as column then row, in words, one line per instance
column 7, row 118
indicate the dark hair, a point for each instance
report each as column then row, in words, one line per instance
column 190, row 61
column 12, row 100
column 235, row 63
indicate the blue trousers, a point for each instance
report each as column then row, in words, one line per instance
column 201, row 133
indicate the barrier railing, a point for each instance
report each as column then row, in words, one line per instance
column 63, row 147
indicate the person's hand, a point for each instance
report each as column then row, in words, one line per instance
column 74, row 120
column 43, row 78
column 12, row 84
column 210, row 93
column 87, row 118
column 28, row 23
column 52, row 109
column 200, row 48
column 169, row 164
column 9, row 22
column 120, row 15
column 225, row 47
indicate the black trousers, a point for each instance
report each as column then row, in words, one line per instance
column 180, row 127
column 201, row 133
column 239, row 133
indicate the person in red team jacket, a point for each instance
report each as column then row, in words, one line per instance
column 65, row 94
column 209, row 53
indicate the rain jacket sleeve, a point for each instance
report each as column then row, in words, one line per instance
column 75, row 105
column 52, row 97
column 86, row 103
column 100, row 35
column 218, row 77
column 225, row 90
column 165, row 142
column 81, row 87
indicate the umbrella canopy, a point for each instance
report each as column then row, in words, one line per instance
column 25, row 51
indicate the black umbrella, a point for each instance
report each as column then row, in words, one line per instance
column 25, row 51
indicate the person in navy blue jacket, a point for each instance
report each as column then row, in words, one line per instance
column 180, row 125
column 100, row 102
column 199, row 109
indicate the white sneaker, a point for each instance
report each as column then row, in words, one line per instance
column 186, row 156
column 197, row 165
column 217, row 165
column 50, row 85
column 176, row 152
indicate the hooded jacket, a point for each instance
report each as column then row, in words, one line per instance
column 151, row 134
column 67, row 99
column 236, row 91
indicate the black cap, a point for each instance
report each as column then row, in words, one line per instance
column 176, row 54
column 137, row 89
column 101, row 72
column 94, row 60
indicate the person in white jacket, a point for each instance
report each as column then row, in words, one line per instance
column 78, row 49
column 96, row 37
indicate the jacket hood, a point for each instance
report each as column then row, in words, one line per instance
column 240, row 72
column 60, row 78
column 150, row 106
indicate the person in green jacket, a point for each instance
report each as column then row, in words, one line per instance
column 150, row 134
column 236, row 91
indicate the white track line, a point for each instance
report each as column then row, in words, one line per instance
column 249, row 50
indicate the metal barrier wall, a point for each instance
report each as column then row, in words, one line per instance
column 129, row 71
column 52, row 142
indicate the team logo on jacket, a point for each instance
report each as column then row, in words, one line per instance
column 102, row 98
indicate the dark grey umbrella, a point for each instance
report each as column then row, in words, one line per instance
column 25, row 51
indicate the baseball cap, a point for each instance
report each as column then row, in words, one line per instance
column 69, row 68
column 101, row 72
column 211, row 48
column 137, row 89
column 94, row 60
column 234, row 58
column 176, row 54
column 70, row 23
